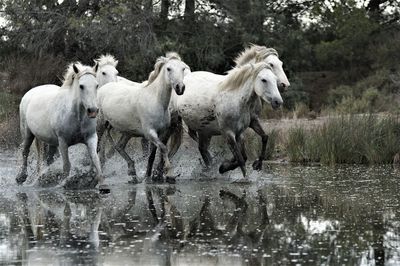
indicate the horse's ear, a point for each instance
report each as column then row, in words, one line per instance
column 96, row 66
column 76, row 70
column 187, row 70
column 116, row 62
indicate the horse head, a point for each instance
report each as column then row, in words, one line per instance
column 265, row 85
column 86, row 85
column 105, row 69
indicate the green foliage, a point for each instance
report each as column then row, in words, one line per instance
column 346, row 139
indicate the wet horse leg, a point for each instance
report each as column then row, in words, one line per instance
column 238, row 149
column 23, row 173
column 91, row 144
column 51, row 152
column 158, row 173
column 204, row 143
column 150, row 162
column 63, row 146
column 153, row 137
column 120, row 147
column 256, row 126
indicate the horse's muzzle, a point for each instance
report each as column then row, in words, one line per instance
column 276, row 103
column 179, row 89
column 92, row 112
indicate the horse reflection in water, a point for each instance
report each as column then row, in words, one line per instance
column 163, row 225
column 69, row 225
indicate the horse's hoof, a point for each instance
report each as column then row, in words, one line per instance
column 21, row 178
column 133, row 181
column 132, row 172
column 104, row 189
column 223, row 168
column 257, row 165
column 157, row 176
column 241, row 180
column 170, row 179
column 148, row 180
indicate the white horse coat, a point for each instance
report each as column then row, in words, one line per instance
column 142, row 110
column 62, row 116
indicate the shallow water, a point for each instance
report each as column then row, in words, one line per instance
column 288, row 215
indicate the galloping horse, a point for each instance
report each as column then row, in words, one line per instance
column 215, row 104
column 142, row 110
column 62, row 116
column 252, row 54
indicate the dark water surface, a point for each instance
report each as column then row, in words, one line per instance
column 290, row 216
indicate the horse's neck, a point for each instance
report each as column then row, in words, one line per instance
column 74, row 104
column 162, row 90
column 246, row 94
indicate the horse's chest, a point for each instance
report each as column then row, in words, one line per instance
column 75, row 133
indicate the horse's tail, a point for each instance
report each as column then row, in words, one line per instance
column 176, row 136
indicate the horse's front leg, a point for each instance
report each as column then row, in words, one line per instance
column 236, row 150
column 91, row 144
column 232, row 164
column 153, row 137
column 23, row 173
column 204, row 143
column 256, row 126
column 63, row 147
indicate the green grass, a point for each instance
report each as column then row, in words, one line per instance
column 346, row 139
column 8, row 105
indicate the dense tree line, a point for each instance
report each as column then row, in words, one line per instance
column 351, row 38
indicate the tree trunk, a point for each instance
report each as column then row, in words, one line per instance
column 189, row 11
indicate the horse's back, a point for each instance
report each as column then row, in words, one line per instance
column 117, row 102
column 196, row 105
column 38, row 111
column 26, row 99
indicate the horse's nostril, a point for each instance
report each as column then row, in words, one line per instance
column 177, row 86
column 183, row 88
column 283, row 85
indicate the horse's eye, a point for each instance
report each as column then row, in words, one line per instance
column 263, row 80
column 104, row 73
column 97, row 86
column 81, row 87
column 271, row 65
column 168, row 69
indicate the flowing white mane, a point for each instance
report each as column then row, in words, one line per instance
column 70, row 74
column 160, row 62
column 107, row 60
column 254, row 52
column 239, row 75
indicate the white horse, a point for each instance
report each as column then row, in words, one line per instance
column 215, row 105
column 142, row 110
column 62, row 116
column 106, row 71
column 252, row 54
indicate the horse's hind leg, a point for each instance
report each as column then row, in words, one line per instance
column 40, row 151
column 120, row 147
column 51, row 152
column 204, row 143
column 23, row 173
column 256, row 126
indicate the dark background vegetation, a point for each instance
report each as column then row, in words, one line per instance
column 343, row 54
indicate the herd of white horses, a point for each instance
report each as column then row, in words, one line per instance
column 94, row 100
